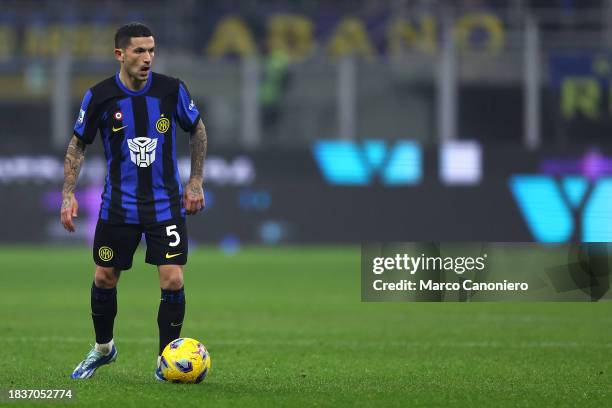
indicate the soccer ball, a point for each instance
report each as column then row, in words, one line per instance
column 185, row 360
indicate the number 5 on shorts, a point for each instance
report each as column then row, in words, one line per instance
column 170, row 231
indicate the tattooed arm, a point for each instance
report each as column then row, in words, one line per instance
column 193, row 199
column 72, row 167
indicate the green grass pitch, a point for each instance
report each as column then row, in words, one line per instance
column 285, row 327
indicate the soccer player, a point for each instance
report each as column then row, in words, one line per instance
column 136, row 112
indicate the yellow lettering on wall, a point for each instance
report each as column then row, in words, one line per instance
column 291, row 35
column 7, row 42
column 41, row 41
column 580, row 95
column 350, row 38
column 231, row 37
column 79, row 40
column 402, row 36
column 467, row 24
column 103, row 40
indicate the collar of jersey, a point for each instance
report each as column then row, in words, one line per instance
column 129, row 91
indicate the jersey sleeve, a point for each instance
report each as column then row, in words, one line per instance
column 86, row 125
column 187, row 112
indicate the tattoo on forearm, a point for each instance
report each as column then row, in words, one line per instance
column 72, row 167
column 197, row 145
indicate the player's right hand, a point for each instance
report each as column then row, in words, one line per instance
column 70, row 208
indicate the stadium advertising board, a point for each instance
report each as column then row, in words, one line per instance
column 342, row 192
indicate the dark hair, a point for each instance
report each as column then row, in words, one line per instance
column 127, row 31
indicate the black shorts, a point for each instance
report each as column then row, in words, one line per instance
column 115, row 244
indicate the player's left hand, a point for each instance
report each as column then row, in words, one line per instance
column 193, row 199
column 70, row 208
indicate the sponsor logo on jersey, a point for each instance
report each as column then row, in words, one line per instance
column 142, row 151
column 81, row 117
column 118, row 115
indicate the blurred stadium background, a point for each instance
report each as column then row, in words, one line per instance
column 334, row 122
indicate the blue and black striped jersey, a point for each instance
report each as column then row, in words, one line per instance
column 138, row 131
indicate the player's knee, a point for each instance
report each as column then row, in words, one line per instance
column 172, row 283
column 106, row 278
column 171, row 278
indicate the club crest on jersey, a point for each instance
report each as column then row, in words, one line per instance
column 162, row 125
column 142, row 151
column 118, row 115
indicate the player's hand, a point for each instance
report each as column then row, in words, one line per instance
column 193, row 198
column 70, row 208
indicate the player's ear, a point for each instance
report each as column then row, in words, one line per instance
column 119, row 54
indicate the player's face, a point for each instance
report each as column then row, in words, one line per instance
column 137, row 57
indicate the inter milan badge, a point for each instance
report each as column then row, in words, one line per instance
column 118, row 115
column 162, row 125
column 105, row 253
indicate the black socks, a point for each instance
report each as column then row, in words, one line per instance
column 103, row 312
column 170, row 316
